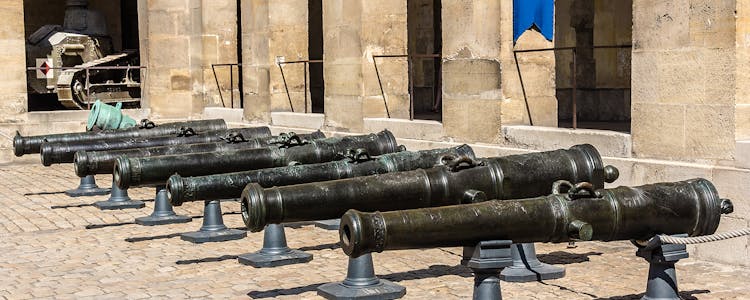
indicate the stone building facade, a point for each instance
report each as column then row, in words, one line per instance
column 686, row 63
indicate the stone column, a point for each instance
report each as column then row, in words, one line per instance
column 13, row 97
column 143, row 38
column 343, row 56
column 219, row 44
column 273, row 30
column 390, row 37
column 683, row 79
column 742, row 107
column 174, row 58
column 472, row 96
column 256, row 67
column 540, row 77
column 288, row 41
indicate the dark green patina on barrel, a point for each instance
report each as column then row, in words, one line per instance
column 624, row 213
column 32, row 144
column 103, row 162
column 154, row 170
column 462, row 180
column 64, row 152
column 358, row 163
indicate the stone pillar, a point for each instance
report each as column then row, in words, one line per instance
column 174, row 58
column 256, row 67
column 683, row 79
column 742, row 105
column 537, row 68
column 143, row 38
column 390, row 17
column 219, row 44
column 343, row 56
column 472, row 96
column 287, row 25
column 274, row 30
column 13, row 97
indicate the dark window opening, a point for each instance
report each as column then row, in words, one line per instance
column 425, row 45
column 601, row 33
column 98, row 35
column 315, row 54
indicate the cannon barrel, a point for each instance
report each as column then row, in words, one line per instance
column 623, row 213
column 459, row 181
column 32, row 144
column 64, row 152
column 359, row 163
column 103, row 162
column 150, row 170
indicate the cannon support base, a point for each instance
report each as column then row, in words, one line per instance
column 119, row 199
column 213, row 229
column 87, row 187
column 163, row 212
column 332, row 224
column 526, row 267
column 662, row 277
column 486, row 260
column 361, row 283
column 275, row 251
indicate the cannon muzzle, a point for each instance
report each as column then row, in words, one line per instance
column 582, row 213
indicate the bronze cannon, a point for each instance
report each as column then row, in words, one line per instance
column 462, row 180
column 64, row 152
column 358, row 163
column 102, row 162
column 582, row 213
column 32, row 144
column 152, row 170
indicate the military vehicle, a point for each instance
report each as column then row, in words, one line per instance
column 68, row 61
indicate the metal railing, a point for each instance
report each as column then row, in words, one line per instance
column 306, row 67
column 87, row 84
column 437, row 98
column 573, row 75
column 231, row 83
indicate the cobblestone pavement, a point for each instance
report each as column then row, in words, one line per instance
column 48, row 253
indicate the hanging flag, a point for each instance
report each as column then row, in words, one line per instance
column 528, row 13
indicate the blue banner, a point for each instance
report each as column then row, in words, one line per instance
column 529, row 13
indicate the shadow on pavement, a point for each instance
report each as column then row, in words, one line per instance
column 281, row 292
column 43, row 193
column 331, row 246
column 687, row 295
column 207, row 259
column 566, row 258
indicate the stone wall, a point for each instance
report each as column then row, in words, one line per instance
column 684, row 60
column 13, row 97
